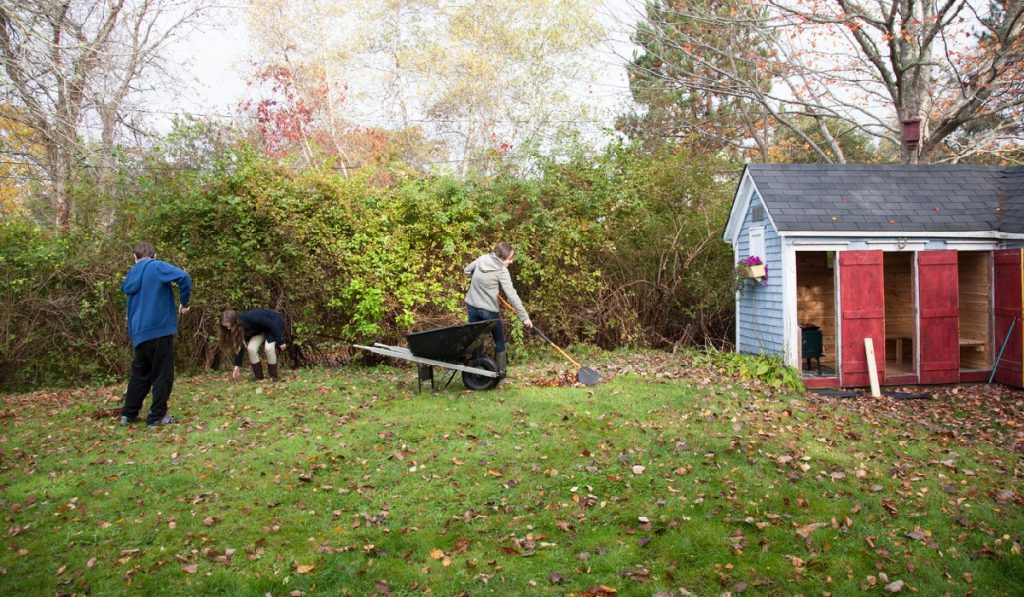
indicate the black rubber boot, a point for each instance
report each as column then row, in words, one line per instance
column 272, row 370
column 500, row 358
column 257, row 371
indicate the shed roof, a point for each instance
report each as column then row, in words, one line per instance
column 896, row 198
column 1013, row 186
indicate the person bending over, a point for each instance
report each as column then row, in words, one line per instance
column 240, row 333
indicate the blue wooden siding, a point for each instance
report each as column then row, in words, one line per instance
column 759, row 327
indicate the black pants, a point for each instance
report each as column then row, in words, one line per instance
column 153, row 367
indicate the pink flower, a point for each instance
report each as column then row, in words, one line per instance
column 741, row 271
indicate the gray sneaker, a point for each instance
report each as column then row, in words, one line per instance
column 167, row 420
column 126, row 421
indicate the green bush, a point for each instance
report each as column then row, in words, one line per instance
column 620, row 249
column 768, row 369
column 62, row 319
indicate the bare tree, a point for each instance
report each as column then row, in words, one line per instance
column 477, row 79
column 71, row 67
column 956, row 65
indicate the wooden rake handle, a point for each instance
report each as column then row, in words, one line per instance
column 541, row 334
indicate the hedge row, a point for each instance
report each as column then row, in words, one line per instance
column 616, row 250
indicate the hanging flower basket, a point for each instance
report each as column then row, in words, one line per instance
column 750, row 268
column 755, row 271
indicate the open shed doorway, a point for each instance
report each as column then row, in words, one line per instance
column 974, row 281
column 816, row 312
column 900, row 320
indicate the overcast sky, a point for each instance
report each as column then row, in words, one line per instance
column 213, row 64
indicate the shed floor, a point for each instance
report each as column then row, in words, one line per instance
column 826, row 370
column 893, row 368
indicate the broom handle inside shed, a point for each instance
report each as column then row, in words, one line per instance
column 1000, row 356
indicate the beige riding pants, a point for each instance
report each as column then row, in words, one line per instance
column 253, row 347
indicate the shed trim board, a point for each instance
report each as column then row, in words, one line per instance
column 820, row 243
column 981, row 234
column 789, row 315
column 735, row 225
column 918, row 348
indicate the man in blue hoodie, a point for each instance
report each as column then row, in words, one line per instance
column 152, row 325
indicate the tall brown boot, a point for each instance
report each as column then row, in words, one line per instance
column 272, row 370
column 257, row 371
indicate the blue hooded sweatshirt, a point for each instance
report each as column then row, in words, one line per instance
column 152, row 312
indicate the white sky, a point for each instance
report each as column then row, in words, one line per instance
column 213, row 64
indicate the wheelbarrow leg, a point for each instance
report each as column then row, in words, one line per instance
column 449, row 380
column 424, row 373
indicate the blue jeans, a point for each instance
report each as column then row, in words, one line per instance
column 497, row 332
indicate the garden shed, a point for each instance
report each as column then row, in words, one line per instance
column 925, row 260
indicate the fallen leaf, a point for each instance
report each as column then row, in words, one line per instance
column 895, row 586
column 805, row 531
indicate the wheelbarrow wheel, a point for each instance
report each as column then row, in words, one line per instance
column 479, row 383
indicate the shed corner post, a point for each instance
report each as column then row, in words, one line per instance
column 790, row 325
column 736, row 300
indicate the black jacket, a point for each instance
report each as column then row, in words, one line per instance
column 260, row 321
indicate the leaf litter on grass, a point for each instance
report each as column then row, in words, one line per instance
column 955, row 415
column 670, row 454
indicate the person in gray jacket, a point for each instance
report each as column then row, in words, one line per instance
column 489, row 274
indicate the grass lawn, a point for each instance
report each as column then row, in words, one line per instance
column 665, row 478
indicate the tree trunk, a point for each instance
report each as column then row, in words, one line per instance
column 58, row 166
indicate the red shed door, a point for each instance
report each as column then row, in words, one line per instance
column 939, row 300
column 862, row 302
column 1007, row 282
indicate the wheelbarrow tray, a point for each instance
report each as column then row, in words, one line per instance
column 449, row 344
column 402, row 353
column 448, row 348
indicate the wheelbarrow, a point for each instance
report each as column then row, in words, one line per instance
column 450, row 348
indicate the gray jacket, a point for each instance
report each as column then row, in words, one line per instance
column 489, row 273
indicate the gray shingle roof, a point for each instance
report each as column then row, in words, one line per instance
column 896, row 198
column 1013, row 185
